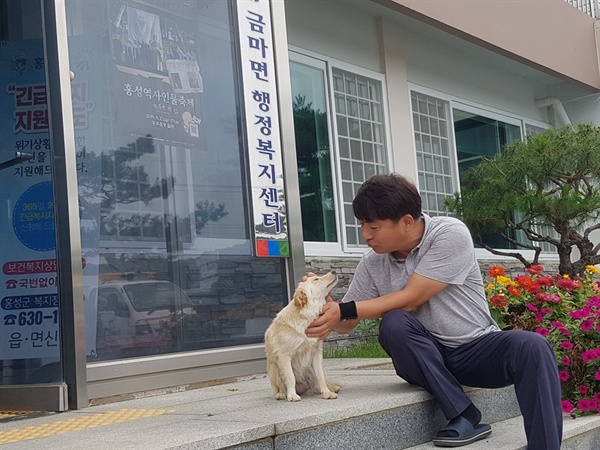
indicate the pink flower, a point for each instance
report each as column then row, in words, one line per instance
column 583, row 389
column 553, row 298
column 531, row 307
column 567, row 406
column 564, row 331
column 557, row 324
column 542, row 331
column 546, row 311
column 594, row 301
column 566, row 361
column 539, row 317
column 588, row 355
column 566, row 345
column 587, row 325
column 563, row 375
column 583, row 404
column 597, row 376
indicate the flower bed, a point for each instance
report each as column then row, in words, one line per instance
column 567, row 313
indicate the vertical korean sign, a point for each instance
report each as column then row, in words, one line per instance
column 29, row 317
column 262, row 125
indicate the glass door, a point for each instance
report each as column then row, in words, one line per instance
column 42, row 337
column 162, row 178
column 32, row 374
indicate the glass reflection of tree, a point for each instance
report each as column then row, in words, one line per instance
column 314, row 170
column 206, row 211
column 124, row 181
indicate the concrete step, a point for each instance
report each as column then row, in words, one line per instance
column 375, row 410
column 582, row 433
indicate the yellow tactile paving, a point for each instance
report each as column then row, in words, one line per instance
column 7, row 414
column 80, row 423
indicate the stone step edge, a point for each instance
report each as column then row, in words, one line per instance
column 509, row 434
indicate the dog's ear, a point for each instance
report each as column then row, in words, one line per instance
column 300, row 298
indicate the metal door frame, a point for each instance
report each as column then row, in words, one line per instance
column 72, row 392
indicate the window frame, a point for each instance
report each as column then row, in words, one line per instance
column 313, row 59
column 484, row 111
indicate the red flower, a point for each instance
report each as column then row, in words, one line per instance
column 567, row 284
column 496, row 271
column 544, row 281
column 527, row 283
column 514, row 291
column 498, row 300
column 536, row 269
column 524, row 281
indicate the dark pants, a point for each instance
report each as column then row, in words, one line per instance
column 494, row 360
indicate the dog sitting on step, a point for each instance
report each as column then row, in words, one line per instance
column 293, row 359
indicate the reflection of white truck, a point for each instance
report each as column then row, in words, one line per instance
column 138, row 317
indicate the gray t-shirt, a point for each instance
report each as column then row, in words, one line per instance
column 456, row 315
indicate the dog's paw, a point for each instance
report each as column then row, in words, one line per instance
column 280, row 396
column 334, row 386
column 293, row 398
column 329, row 395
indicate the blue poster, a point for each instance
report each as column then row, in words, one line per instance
column 29, row 299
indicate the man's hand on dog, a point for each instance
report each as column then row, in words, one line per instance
column 326, row 322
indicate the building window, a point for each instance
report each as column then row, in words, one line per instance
column 360, row 137
column 313, row 152
column 546, row 247
column 340, row 143
column 435, row 163
column 478, row 136
column 438, row 125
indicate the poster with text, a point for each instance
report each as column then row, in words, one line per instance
column 29, row 298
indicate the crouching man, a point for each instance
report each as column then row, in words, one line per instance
column 422, row 278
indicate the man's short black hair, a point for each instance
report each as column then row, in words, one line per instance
column 386, row 196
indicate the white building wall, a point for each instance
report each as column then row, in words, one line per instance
column 407, row 51
column 329, row 28
column 412, row 54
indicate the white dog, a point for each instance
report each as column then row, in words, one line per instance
column 293, row 359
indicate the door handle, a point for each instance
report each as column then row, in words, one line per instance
column 18, row 159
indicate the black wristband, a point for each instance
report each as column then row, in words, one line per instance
column 348, row 311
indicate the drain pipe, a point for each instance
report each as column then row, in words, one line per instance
column 556, row 111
